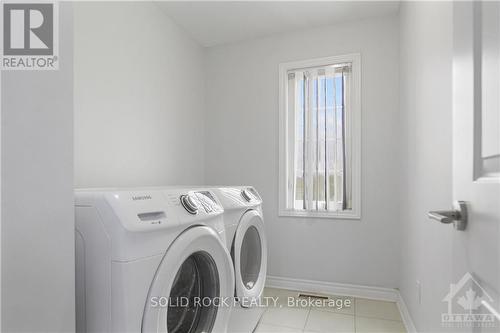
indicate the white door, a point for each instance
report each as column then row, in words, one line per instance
column 476, row 163
column 250, row 257
column 194, row 276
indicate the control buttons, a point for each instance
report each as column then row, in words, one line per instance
column 173, row 199
column 246, row 195
column 189, row 204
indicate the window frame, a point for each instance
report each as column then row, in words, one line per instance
column 354, row 127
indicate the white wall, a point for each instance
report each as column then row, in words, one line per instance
column 138, row 98
column 242, row 148
column 37, row 194
column 426, row 105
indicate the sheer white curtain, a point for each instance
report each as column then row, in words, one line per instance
column 319, row 156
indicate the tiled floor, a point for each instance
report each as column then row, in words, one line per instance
column 349, row 315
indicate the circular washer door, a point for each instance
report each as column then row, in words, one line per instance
column 250, row 256
column 194, row 275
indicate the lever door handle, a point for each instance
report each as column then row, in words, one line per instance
column 457, row 216
column 444, row 216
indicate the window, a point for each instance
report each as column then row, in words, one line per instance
column 320, row 137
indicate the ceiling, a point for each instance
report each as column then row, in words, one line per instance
column 213, row 23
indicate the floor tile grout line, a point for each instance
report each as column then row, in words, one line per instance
column 307, row 318
column 354, row 308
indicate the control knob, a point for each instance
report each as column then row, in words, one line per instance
column 189, row 204
column 246, row 195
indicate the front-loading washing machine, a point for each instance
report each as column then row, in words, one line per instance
column 143, row 258
column 246, row 240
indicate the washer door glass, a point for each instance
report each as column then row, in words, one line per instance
column 250, row 257
column 195, row 282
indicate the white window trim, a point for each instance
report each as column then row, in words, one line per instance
column 355, row 128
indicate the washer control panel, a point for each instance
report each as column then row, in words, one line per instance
column 208, row 202
column 151, row 209
column 140, row 210
column 194, row 202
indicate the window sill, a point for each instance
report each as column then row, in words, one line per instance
column 323, row 215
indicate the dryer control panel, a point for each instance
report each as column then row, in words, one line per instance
column 238, row 197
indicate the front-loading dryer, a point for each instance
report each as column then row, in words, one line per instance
column 144, row 255
column 246, row 239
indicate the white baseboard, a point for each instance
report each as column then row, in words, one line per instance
column 405, row 315
column 343, row 289
column 340, row 289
